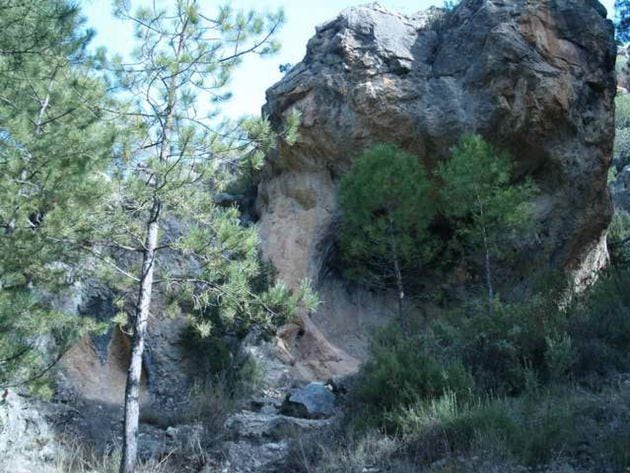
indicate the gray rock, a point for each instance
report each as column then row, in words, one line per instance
column 536, row 79
column 27, row 439
column 243, row 457
column 315, row 401
column 259, row 427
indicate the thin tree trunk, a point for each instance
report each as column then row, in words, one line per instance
column 132, row 390
column 398, row 275
column 488, row 274
column 488, row 267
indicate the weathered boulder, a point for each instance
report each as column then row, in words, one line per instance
column 268, row 427
column 314, row 401
column 535, row 78
column 260, row 441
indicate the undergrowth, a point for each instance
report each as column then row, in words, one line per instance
column 530, row 386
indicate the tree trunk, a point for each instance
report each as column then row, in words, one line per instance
column 487, row 266
column 488, row 275
column 132, row 390
column 398, row 275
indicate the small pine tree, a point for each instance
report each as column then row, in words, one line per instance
column 486, row 208
column 387, row 208
column 162, row 230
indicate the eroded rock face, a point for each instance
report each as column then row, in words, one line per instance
column 535, row 78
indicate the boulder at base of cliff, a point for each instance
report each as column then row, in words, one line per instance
column 314, row 401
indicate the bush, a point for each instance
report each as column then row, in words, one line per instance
column 619, row 238
column 509, row 351
column 517, row 349
column 622, row 111
column 621, row 149
column 401, row 370
column 600, row 327
column 565, row 428
column 528, row 385
column 528, row 430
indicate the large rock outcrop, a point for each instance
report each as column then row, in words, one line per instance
column 535, row 78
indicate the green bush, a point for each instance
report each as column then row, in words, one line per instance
column 622, row 111
column 619, row 238
column 622, row 148
column 515, row 347
column 528, row 385
column 529, row 430
column 599, row 326
column 564, row 428
column 402, row 370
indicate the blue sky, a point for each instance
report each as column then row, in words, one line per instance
column 256, row 74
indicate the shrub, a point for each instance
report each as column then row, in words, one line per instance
column 518, row 345
column 500, row 387
column 402, row 370
column 619, row 238
column 622, row 111
column 600, row 327
column 528, row 430
column 622, row 148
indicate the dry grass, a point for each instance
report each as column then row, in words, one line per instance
column 76, row 459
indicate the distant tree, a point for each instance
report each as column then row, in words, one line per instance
column 622, row 13
column 487, row 209
column 54, row 149
column 172, row 162
column 387, row 208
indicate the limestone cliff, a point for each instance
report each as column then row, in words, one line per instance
column 535, row 78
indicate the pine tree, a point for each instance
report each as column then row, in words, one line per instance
column 162, row 230
column 387, row 209
column 486, row 208
column 53, row 150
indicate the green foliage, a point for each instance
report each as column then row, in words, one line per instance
column 491, row 215
column 508, row 351
column 531, row 430
column 478, row 193
column 174, row 158
column 622, row 17
column 34, row 336
column 599, row 327
column 619, row 238
column 389, row 204
column 622, row 132
column 622, row 147
column 403, row 369
column 387, row 208
column 524, row 361
column 54, row 147
column 520, row 350
column 622, row 111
